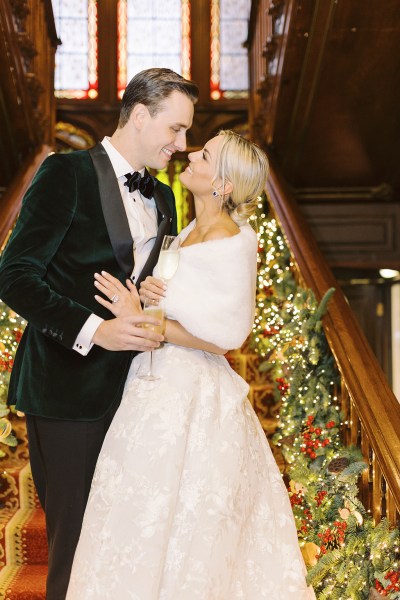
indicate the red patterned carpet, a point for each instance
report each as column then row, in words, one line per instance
column 23, row 546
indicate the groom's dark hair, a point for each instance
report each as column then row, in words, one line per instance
column 150, row 87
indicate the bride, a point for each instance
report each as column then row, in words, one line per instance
column 187, row 502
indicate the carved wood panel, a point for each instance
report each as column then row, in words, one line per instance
column 354, row 234
column 27, row 107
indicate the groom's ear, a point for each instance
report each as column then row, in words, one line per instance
column 139, row 115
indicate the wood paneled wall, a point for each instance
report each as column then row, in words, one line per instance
column 27, row 106
column 28, row 43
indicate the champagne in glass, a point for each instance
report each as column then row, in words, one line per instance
column 169, row 257
column 158, row 313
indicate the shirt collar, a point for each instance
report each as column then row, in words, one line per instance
column 119, row 163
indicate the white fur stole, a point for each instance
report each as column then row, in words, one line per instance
column 212, row 293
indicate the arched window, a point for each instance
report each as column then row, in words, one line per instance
column 76, row 74
column 155, row 33
column 151, row 33
column 229, row 66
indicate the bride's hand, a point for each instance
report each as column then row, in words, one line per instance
column 152, row 289
column 122, row 301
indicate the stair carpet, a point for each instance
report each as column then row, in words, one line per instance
column 23, row 544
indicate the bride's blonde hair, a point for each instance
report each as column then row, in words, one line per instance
column 245, row 166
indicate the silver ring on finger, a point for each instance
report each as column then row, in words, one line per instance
column 115, row 298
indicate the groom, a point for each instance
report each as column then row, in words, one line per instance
column 85, row 213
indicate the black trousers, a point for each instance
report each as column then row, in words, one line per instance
column 63, row 457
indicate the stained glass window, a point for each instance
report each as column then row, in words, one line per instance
column 76, row 59
column 229, row 63
column 152, row 33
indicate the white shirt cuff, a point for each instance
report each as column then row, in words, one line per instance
column 83, row 342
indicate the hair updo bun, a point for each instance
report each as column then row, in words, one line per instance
column 245, row 166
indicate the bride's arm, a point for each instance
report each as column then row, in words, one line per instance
column 154, row 289
column 128, row 304
column 176, row 334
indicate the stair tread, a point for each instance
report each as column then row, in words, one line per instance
column 25, row 538
column 27, row 582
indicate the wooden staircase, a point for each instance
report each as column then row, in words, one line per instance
column 371, row 410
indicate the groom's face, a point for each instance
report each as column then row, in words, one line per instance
column 165, row 133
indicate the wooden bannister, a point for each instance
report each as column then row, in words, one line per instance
column 371, row 411
column 28, row 43
column 12, row 198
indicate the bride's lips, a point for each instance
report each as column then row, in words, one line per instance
column 189, row 170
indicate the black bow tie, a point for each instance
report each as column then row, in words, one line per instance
column 145, row 185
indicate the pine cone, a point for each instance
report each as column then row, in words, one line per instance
column 288, row 440
column 337, row 465
column 374, row 595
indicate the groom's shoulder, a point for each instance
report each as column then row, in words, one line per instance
column 76, row 158
column 65, row 169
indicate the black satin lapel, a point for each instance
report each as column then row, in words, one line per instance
column 163, row 208
column 164, row 227
column 113, row 209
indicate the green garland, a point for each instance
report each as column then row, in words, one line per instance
column 11, row 329
column 347, row 556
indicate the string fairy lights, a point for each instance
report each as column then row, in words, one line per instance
column 11, row 329
column 348, row 557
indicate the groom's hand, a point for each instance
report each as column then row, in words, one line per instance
column 128, row 333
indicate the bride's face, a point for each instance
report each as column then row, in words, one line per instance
column 200, row 172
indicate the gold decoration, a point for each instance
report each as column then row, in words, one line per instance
column 5, row 428
column 310, row 552
column 344, row 513
column 297, row 488
column 358, row 516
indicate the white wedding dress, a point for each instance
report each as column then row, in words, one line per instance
column 187, row 502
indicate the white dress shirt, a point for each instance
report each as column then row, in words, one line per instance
column 142, row 219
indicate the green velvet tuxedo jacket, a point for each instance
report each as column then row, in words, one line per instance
column 72, row 224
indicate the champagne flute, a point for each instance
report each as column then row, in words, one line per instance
column 167, row 266
column 168, row 260
column 169, row 257
column 158, row 313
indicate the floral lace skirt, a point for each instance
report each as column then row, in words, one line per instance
column 187, row 501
